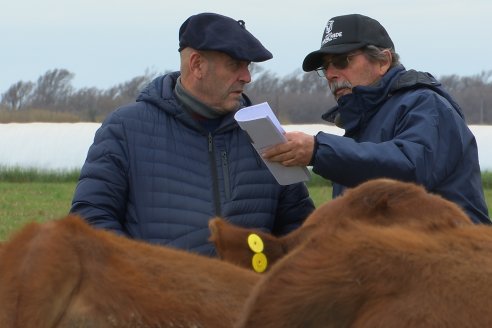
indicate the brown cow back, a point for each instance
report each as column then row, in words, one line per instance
column 375, row 276
column 381, row 202
column 67, row 274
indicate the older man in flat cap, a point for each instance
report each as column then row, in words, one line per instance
column 160, row 168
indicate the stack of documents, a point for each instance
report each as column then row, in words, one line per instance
column 264, row 130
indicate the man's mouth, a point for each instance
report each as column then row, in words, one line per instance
column 340, row 92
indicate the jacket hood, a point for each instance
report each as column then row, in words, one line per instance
column 413, row 79
column 362, row 103
column 160, row 93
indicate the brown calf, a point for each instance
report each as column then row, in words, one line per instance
column 379, row 276
column 382, row 202
column 67, row 274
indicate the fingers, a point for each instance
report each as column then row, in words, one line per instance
column 287, row 158
column 297, row 151
column 276, row 153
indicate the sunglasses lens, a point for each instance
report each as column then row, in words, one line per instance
column 340, row 62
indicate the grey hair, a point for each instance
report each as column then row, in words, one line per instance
column 376, row 54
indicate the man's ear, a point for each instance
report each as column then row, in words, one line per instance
column 197, row 64
column 385, row 65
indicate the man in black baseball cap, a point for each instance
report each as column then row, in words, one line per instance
column 347, row 33
column 398, row 123
column 161, row 168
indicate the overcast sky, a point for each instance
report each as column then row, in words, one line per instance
column 106, row 42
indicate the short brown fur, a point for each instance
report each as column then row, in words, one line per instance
column 67, row 274
column 381, row 202
column 379, row 276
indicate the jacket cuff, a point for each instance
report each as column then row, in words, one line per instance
column 315, row 149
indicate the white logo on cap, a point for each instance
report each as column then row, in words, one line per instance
column 329, row 35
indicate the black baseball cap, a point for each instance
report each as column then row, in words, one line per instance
column 210, row 31
column 347, row 33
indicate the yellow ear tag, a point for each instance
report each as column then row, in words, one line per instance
column 255, row 243
column 259, row 262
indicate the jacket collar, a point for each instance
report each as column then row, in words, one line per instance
column 193, row 105
column 354, row 109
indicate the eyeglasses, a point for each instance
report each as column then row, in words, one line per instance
column 338, row 61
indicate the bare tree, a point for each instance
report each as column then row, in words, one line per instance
column 473, row 94
column 86, row 103
column 15, row 97
column 52, row 89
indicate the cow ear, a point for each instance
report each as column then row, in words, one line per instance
column 246, row 247
column 225, row 236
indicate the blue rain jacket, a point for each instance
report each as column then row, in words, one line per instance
column 407, row 127
column 154, row 173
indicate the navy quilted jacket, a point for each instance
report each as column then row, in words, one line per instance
column 154, row 173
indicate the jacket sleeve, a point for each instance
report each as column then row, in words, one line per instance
column 294, row 207
column 101, row 193
column 424, row 146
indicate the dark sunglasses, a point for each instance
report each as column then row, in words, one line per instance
column 338, row 61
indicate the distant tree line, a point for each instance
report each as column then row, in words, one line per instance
column 296, row 98
column 54, row 92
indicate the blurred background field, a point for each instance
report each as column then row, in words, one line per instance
column 31, row 195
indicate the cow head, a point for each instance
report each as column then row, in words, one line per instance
column 241, row 246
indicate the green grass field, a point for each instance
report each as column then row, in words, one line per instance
column 27, row 196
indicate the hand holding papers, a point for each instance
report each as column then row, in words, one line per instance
column 264, row 130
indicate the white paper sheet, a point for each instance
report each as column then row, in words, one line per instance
column 264, row 130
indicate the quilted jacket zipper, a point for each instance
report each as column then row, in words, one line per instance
column 225, row 173
column 213, row 168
